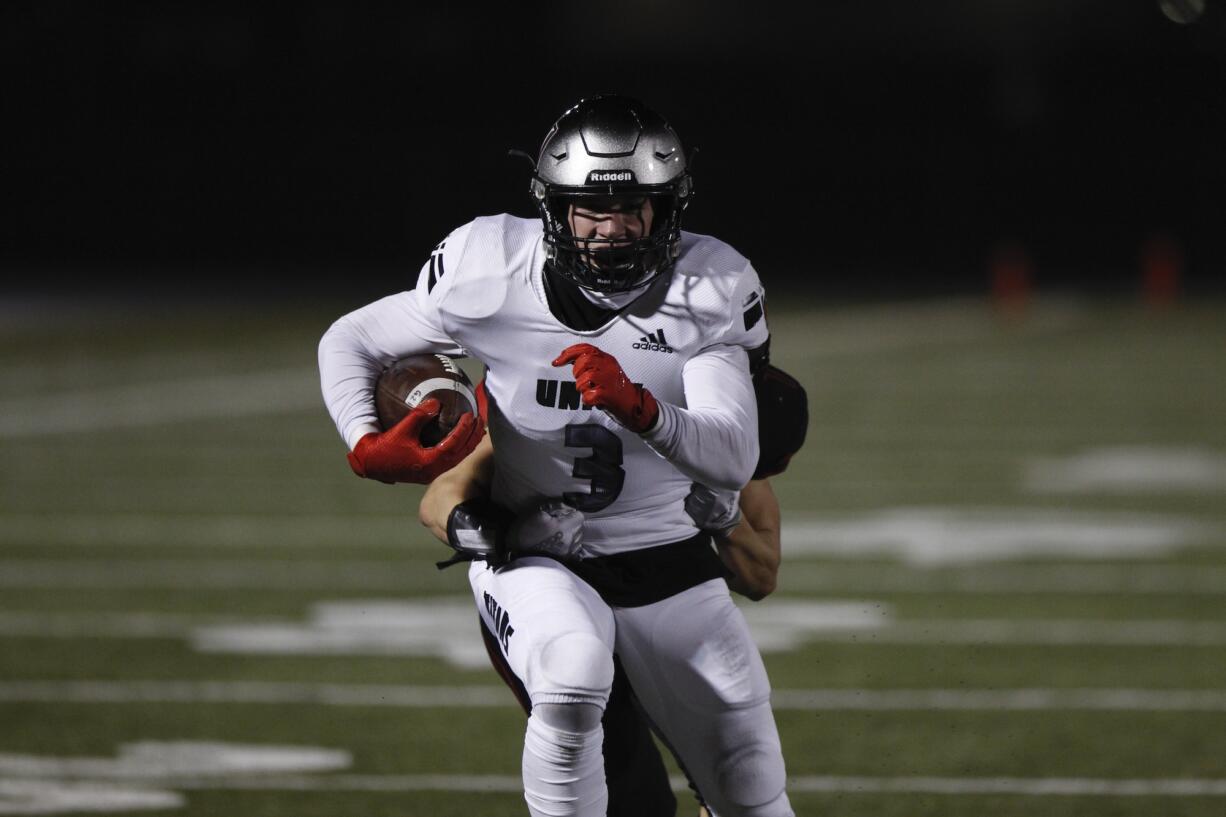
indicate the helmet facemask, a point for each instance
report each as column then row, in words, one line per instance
column 610, row 265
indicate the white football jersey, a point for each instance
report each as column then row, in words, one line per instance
column 481, row 294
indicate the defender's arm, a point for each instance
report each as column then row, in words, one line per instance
column 751, row 550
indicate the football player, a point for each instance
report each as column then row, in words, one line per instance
column 617, row 353
column 748, row 543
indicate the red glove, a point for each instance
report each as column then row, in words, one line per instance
column 603, row 385
column 397, row 454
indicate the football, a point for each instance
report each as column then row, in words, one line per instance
column 408, row 381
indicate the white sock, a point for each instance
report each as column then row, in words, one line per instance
column 564, row 771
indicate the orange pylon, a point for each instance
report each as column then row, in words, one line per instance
column 1012, row 276
column 1162, row 263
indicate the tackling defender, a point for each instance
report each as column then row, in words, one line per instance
column 611, row 307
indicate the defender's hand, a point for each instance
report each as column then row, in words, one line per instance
column 553, row 528
column 397, row 455
column 477, row 529
column 718, row 512
column 603, row 385
column 480, row 529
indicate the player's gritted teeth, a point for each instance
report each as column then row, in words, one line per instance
column 603, row 226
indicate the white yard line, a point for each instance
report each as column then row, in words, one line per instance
column 26, row 624
column 467, row 696
column 181, row 531
column 57, row 795
column 800, row 576
column 880, row 700
column 1142, row 578
column 1035, row 786
column 213, row 574
column 222, row 396
column 416, row 626
column 1068, row 632
column 40, row 796
column 937, row 535
column 929, row 537
column 367, row 783
column 1143, row 470
column 926, row 536
column 1032, row 786
column 255, row 692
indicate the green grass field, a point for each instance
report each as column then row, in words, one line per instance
column 1003, row 593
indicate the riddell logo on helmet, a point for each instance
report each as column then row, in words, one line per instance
column 610, row 176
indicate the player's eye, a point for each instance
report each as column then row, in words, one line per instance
column 598, row 208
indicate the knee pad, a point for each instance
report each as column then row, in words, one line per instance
column 752, row 778
column 574, row 667
column 574, row 718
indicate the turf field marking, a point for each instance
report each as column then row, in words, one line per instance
column 445, row 627
column 948, row 535
column 22, row 796
column 278, row 391
column 922, row 536
column 880, row 700
column 1027, row 786
column 160, row 759
column 255, row 692
column 1082, row 579
column 1049, row 632
column 295, row 574
column 34, row 781
column 181, row 531
column 799, row 576
column 30, row 624
column 442, row 697
column 442, row 627
column 1129, row 469
column 38, row 784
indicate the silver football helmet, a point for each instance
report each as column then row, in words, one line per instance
column 611, row 147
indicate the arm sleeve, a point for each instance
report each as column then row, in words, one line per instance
column 714, row 439
column 359, row 345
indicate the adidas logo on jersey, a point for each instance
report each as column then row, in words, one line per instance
column 653, row 342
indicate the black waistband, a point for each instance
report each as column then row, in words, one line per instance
column 640, row 577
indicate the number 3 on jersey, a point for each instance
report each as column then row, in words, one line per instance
column 603, row 467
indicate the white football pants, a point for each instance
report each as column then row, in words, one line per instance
column 690, row 659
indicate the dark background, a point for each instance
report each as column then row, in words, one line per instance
column 849, row 147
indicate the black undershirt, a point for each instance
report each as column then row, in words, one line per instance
column 569, row 305
column 639, row 577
